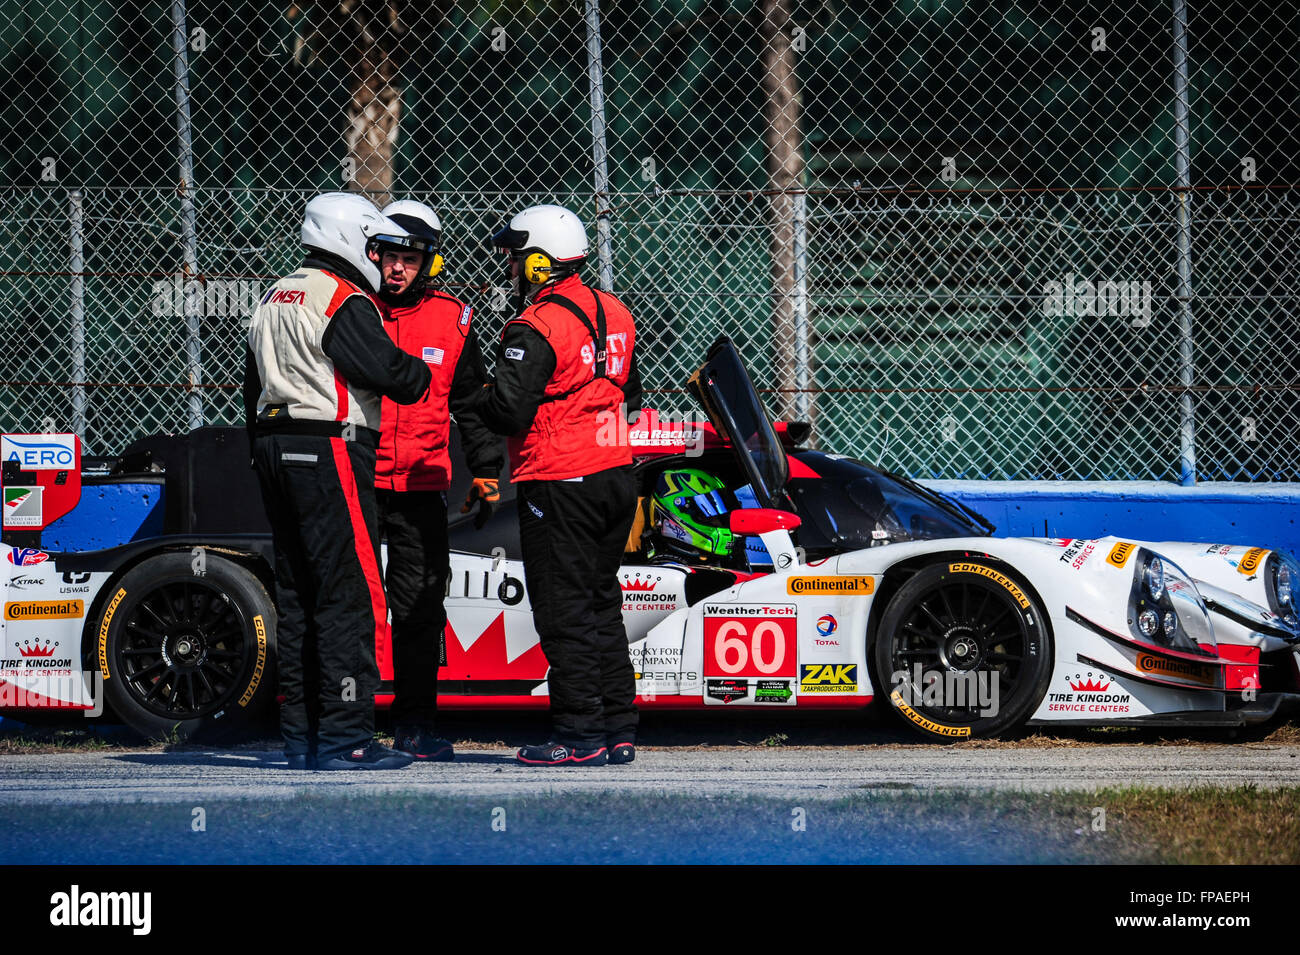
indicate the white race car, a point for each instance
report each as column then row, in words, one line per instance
column 759, row 575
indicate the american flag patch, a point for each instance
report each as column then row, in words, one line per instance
column 432, row 355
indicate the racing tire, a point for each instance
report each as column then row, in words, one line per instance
column 187, row 655
column 982, row 645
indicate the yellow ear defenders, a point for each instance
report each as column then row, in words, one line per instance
column 537, row 268
column 435, row 265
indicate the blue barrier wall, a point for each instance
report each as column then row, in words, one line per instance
column 107, row 515
column 1265, row 515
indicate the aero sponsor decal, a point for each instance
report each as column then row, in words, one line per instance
column 1178, row 669
column 260, row 627
column 830, row 585
column 103, row 630
column 992, row 574
column 1250, row 561
column 938, row 729
column 44, row 610
column 1118, row 555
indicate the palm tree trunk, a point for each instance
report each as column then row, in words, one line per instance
column 374, row 113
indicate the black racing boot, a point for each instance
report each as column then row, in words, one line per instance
column 558, row 754
column 620, row 753
column 371, row 756
column 423, row 745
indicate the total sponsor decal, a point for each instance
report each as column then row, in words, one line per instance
column 826, row 627
column 35, row 654
column 26, row 556
column 858, row 584
column 44, row 609
column 828, row 678
column 1177, row 669
column 1091, row 692
column 1248, row 566
column 22, row 506
column 641, row 593
column 994, row 575
column 728, row 691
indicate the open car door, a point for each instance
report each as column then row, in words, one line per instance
column 728, row 396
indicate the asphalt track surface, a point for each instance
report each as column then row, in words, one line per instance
column 191, row 776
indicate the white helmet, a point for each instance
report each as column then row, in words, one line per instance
column 425, row 233
column 550, row 240
column 346, row 224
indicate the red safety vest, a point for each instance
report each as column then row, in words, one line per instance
column 412, row 453
column 573, row 433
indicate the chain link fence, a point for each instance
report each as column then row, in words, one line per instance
column 964, row 239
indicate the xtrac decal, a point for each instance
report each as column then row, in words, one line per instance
column 858, row 584
column 991, row 574
column 828, row 678
column 750, row 640
column 938, row 729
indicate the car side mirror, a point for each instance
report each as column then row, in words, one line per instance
column 773, row 528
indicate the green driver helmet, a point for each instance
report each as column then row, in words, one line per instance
column 689, row 507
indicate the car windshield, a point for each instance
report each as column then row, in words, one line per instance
column 850, row 505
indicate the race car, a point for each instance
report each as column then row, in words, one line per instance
column 759, row 574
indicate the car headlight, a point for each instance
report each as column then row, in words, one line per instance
column 1166, row 608
column 1155, row 578
column 1281, row 581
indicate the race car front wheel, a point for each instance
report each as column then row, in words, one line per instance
column 963, row 650
column 186, row 646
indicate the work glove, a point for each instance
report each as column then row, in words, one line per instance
column 487, row 492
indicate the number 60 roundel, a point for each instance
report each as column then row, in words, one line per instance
column 759, row 646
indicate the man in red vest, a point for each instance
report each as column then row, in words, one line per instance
column 413, row 467
column 564, row 365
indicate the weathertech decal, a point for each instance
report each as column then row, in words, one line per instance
column 830, row 585
column 1118, row 556
column 992, row 574
column 261, row 661
column 103, row 630
column 937, row 728
column 1250, row 561
column 828, row 678
column 44, row 610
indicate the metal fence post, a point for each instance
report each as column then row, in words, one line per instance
column 77, row 314
column 1182, row 170
column 599, row 153
column 189, row 229
column 803, row 409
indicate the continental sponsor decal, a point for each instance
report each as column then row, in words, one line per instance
column 991, row 574
column 858, row 584
column 939, row 729
column 44, row 609
column 1178, row 669
column 260, row 627
column 1118, row 555
column 828, row 678
column 103, row 630
column 1248, row 566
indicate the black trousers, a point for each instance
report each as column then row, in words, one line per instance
column 320, row 498
column 572, row 534
column 415, row 524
